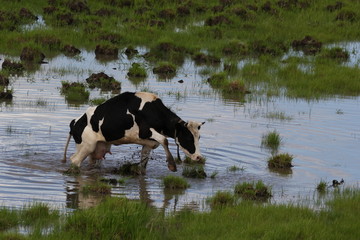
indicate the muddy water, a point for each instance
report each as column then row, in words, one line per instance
column 323, row 136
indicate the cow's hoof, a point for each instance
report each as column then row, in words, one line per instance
column 172, row 167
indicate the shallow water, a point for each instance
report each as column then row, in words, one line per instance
column 323, row 136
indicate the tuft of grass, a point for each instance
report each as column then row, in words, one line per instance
column 221, row 199
column 8, row 218
column 196, row 171
column 72, row 171
column 165, row 69
column 271, row 140
column 74, row 92
column 253, row 191
column 280, row 161
column 321, row 187
column 131, row 169
column 188, row 160
column 235, row 168
column 38, row 213
column 114, row 218
column 98, row 187
column 136, row 70
column 175, row 182
column 278, row 115
column 214, row 174
column 97, row 101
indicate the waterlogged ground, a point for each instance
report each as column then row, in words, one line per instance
column 323, row 136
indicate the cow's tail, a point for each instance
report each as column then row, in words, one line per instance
column 66, row 147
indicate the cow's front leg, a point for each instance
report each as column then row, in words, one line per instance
column 164, row 142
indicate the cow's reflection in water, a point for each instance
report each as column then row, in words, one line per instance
column 166, row 200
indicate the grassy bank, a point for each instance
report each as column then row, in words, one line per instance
column 232, row 28
column 208, row 32
column 119, row 218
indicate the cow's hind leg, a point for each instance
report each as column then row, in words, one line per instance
column 82, row 151
column 145, row 152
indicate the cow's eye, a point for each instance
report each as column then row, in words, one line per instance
column 199, row 127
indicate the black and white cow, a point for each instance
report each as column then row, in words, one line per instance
column 139, row 118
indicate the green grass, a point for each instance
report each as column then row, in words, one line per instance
column 136, row 70
column 271, row 140
column 235, row 168
column 174, row 182
column 221, row 199
column 253, row 191
column 98, row 187
column 321, row 187
column 119, row 218
column 280, row 161
column 195, row 171
column 74, row 92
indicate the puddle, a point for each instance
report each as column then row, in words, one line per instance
column 323, row 136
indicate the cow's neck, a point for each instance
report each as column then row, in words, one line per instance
column 171, row 126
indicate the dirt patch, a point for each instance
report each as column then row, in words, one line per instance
column 4, row 80
column 217, row 20
column 308, row 45
column 131, row 51
column 346, row 15
column 167, row 14
column 165, row 69
column 106, row 51
column 70, row 50
column 7, row 95
column 12, row 66
column 25, row 13
column 78, row 6
column 103, row 81
column 29, row 54
column 183, row 11
column 334, row 7
column 202, row 58
column 65, row 19
column 53, row 43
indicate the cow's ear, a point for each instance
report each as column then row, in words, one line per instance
column 201, row 125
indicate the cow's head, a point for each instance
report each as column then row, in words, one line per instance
column 187, row 138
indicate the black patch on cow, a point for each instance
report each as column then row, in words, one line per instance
column 156, row 115
column 77, row 128
column 115, row 117
column 185, row 137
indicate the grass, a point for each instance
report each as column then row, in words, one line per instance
column 278, row 115
column 321, row 187
column 120, row 218
column 130, row 169
column 196, row 171
column 74, row 92
column 235, row 168
column 271, row 140
column 188, row 160
column 221, row 199
column 280, row 161
column 137, row 71
column 253, row 191
column 99, row 187
column 209, row 32
column 175, row 182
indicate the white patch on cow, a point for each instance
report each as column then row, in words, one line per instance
column 145, row 97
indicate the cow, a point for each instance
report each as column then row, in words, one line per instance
column 132, row 118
